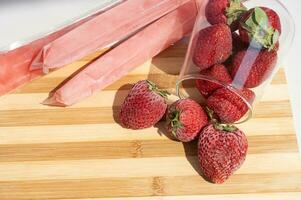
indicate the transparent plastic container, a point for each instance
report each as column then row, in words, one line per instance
column 242, row 76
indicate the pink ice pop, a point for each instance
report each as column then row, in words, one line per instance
column 15, row 64
column 119, row 61
column 104, row 30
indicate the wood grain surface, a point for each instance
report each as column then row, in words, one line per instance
column 81, row 152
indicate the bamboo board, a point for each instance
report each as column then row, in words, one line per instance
column 81, row 152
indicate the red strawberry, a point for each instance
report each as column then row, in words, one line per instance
column 144, row 106
column 218, row 72
column 221, row 151
column 260, row 27
column 225, row 11
column 213, row 46
column 238, row 44
column 186, row 119
column 228, row 106
column 252, row 67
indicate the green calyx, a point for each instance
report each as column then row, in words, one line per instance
column 217, row 125
column 174, row 119
column 153, row 87
column 234, row 11
column 258, row 28
column 225, row 127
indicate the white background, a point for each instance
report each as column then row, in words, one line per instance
column 292, row 65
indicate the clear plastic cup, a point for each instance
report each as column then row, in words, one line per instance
column 242, row 77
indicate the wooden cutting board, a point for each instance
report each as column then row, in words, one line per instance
column 81, row 152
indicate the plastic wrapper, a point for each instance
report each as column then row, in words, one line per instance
column 85, row 36
column 144, row 45
column 227, row 73
column 102, row 31
column 21, row 44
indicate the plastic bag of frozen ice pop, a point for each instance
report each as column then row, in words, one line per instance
column 114, row 25
column 235, row 49
column 30, row 25
column 95, row 34
column 126, row 56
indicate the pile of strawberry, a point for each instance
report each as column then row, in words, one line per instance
column 238, row 49
column 221, row 149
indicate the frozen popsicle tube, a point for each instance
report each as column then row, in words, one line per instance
column 15, row 64
column 103, row 31
column 91, row 34
column 119, row 61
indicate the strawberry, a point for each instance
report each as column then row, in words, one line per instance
column 250, row 68
column 260, row 27
column 186, row 119
column 238, row 44
column 225, row 11
column 218, row 72
column 213, row 46
column 222, row 149
column 229, row 106
column 144, row 106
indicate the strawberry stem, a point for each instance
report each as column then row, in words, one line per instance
column 259, row 29
column 217, row 124
column 153, row 87
column 211, row 115
column 234, row 11
column 175, row 123
column 225, row 127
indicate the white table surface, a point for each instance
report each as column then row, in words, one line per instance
column 293, row 66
